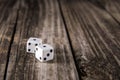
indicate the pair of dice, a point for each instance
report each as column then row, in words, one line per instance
column 43, row 52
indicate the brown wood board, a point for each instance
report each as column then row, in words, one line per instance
column 95, row 39
column 8, row 15
column 42, row 19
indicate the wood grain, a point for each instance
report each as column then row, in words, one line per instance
column 111, row 6
column 95, row 38
column 113, row 9
column 84, row 33
column 42, row 19
column 8, row 14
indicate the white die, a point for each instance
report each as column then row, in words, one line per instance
column 32, row 43
column 44, row 52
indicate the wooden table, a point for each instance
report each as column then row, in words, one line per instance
column 84, row 33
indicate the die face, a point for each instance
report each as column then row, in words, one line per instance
column 35, row 40
column 47, row 55
column 32, row 43
column 46, row 47
column 38, row 53
column 30, row 49
column 45, row 52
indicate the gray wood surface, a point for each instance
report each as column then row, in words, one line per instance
column 84, row 33
column 95, row 38
column 8, row 14
column 41, row 19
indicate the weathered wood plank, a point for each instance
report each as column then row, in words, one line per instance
column 95, row 38
column 8, row 13
column 41, row 18
column 111, row 6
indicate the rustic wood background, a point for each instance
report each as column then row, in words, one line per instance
column 84, row 33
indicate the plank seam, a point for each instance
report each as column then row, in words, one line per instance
column 11, row 42
column 69, row 40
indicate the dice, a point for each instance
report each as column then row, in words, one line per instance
column 44, row 52
column 32, row 43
